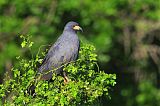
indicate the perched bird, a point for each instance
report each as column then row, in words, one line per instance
column 63, row 51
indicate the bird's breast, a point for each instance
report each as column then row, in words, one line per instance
column 69, row 49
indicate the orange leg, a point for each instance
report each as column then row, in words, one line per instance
column 66, row 79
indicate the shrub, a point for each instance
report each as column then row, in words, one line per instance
column 87, row 83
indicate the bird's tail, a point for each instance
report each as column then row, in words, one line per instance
column 31, row 90
column 32, row 86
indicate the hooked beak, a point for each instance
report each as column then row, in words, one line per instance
column 78, row 28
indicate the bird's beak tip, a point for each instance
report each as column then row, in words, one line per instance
column 80, row 29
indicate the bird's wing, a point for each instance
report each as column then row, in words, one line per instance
column 51, row 51
column 47, row 60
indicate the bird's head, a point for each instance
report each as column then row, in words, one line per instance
column 73, row 26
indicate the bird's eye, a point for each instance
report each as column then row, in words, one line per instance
column 74, row 25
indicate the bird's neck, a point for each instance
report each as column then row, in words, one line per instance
column 69, row 35
column 71, row 31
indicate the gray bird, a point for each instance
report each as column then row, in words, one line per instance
column 63, row 51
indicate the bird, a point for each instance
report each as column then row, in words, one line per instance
column 63, row 51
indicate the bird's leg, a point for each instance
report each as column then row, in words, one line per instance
column 66, row 79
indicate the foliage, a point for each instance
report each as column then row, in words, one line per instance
column 85, row 87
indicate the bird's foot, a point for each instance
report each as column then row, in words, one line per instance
column 66, row 80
